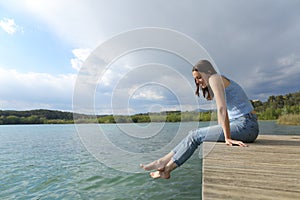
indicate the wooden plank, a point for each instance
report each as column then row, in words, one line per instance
column 267, row 169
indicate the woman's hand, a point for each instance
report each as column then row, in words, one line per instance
column 231, row 142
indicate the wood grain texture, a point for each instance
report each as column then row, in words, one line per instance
column 267, row 169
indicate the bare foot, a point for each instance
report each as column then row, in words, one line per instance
column 160, row 174
column 158, row 164
column 155, row 165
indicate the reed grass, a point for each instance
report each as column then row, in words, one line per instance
column 289, row 119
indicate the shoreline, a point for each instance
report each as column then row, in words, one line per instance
column 67, row 123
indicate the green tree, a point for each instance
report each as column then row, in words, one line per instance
column 12, row 120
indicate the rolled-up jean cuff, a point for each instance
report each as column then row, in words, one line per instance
column 176, row 162
column 174, row 159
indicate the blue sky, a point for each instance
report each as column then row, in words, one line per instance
column 44, row 43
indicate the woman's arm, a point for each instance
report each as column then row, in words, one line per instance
column 217, row 86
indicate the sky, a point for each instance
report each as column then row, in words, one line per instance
column 47, row 46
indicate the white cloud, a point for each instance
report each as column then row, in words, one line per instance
column 74, row 23
column 80, row 56
column 108, row 77
column 27, row 90
column 139, row 88
column 148, row 95
column 287, row 60
column 281, row 78
column 25, row 105
column 9, row 26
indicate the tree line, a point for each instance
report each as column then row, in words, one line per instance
column 277, row 106
column 283, row 107
column 41, row 116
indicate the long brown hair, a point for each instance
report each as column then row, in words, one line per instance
column 206, row 67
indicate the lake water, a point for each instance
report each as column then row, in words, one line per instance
column 50, row 162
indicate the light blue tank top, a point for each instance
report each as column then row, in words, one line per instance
column 237, row 101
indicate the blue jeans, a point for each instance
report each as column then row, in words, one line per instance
column 244, row 128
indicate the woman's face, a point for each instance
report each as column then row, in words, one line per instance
column 200, row 79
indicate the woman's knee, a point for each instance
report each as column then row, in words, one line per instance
column 195, row 137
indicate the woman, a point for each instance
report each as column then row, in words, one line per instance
column 237, row 122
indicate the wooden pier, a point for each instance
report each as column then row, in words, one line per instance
column 267, row 169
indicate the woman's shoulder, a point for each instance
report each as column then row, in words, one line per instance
column 217, row 78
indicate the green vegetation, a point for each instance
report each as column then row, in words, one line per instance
column 169, row 116
column 277, row 106
column 283, row 108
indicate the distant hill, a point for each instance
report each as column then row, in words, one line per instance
column 40, row 116
column 47, row 114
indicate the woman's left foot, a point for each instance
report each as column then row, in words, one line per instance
column 160, row 174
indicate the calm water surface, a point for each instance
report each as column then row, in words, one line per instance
column 50, row 162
